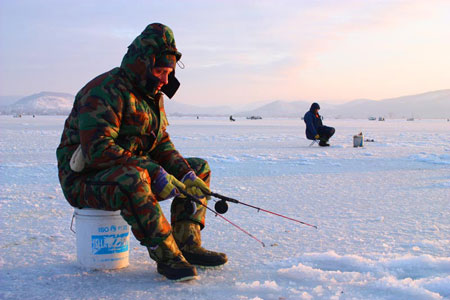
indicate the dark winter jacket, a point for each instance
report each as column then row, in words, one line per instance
column 118, row 119
column 313, row 121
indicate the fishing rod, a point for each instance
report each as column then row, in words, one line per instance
column 221, row 207
column 193, row 199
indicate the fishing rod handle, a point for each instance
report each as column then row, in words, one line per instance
column 224, row 198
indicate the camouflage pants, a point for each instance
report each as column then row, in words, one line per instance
column 127, row 188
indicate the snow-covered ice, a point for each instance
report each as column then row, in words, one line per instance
column 382, row 211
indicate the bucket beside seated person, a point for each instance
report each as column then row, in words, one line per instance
column 315, row 130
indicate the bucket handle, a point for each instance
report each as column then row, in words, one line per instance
column 71, row 224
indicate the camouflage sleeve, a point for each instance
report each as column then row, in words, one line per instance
column 169, row 158
column 99, row 123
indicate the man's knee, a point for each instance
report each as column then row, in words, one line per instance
column 332, row 131
column 199, row 165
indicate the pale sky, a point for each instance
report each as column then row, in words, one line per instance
column 235, row 52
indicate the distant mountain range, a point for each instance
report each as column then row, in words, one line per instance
column 427, row 105
column 43, row 103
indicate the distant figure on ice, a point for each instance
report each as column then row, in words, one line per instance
column 315, row 130
column 115, row 154
column 231, row 119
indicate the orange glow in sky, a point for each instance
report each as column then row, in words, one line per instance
column 236, row 52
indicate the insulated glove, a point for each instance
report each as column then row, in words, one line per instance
column 195, row 186
column 166, row 186
column 317, row 137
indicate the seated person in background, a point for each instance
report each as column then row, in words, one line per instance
column 315, row 130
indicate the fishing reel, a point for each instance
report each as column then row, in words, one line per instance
column 190, row 207
column 221, row 207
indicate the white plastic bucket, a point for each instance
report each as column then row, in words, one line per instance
column 103, row 239
column 358, row 141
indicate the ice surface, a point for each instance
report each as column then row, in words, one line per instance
column 382, row 213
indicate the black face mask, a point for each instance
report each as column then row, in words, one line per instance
column 172, row 86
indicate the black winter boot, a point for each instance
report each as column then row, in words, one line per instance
column 170, row 262
column 323, row 143
column 187, row 235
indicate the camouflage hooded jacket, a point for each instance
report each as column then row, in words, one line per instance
column 117, row 117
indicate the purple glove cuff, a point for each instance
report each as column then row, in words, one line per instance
column 189, row 176
column 161, row 182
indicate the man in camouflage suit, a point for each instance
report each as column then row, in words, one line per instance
column 115, row 154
